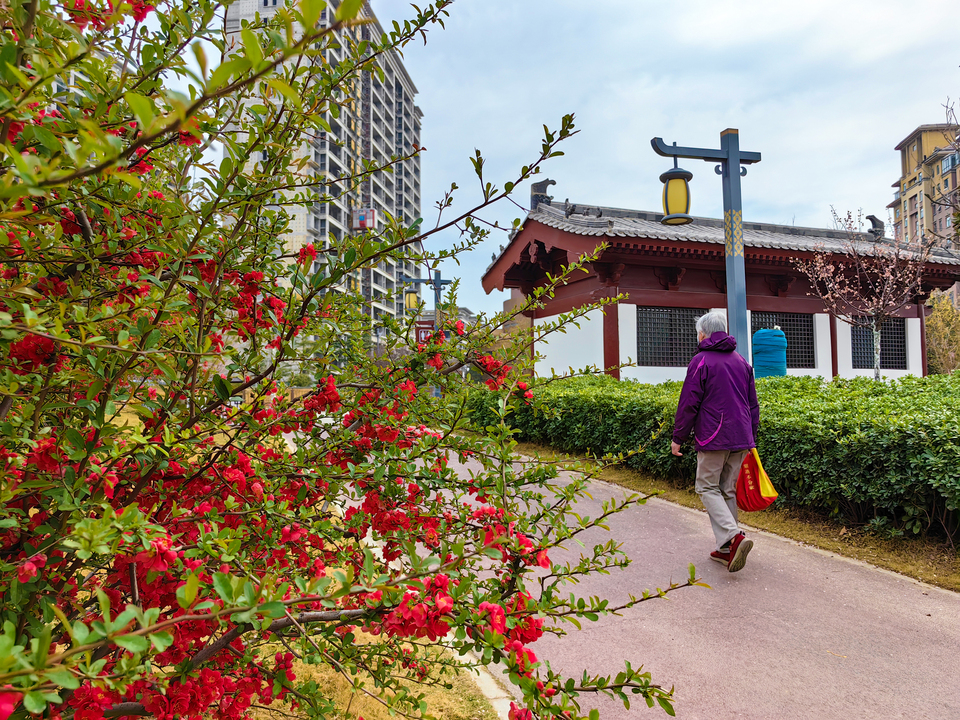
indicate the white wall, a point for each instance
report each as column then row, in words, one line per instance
column 577, row 348
column 581, row 347
column 845, row 353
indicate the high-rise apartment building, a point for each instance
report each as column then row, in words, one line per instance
column 928, row 183
column 378, row 121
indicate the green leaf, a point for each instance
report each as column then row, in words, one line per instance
column 227, row 70
column 34, row 703
column 8, row 56
column 142, row 108
column 222, row 387
column 284, row 89
column 667, row 707
column 75, row 439
column 201, row 56
column 47, row 138
column 223, row 585
column 63, row 678
column 128, row 178
column 275, row 609
column 80, row 632
column 43, row 647
column 161, row 640
column 348, row 10
column 310, row 11
column 190, row 589
column 133, row 643
column 252, row 46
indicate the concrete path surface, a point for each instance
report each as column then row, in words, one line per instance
column 797, row 634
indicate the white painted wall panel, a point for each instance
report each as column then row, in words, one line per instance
column 577, row 348
column 628, row 335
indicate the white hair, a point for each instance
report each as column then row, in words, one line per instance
column 710, row 323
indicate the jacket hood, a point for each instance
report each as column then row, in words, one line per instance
column 719, row 342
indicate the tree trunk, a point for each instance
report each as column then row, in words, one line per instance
column 876, row 350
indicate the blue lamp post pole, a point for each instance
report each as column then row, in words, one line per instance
column 731, row 160
column 436, row 282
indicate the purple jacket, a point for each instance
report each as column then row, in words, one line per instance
column 719, row 398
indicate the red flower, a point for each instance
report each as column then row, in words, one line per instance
column 16, row 127
column 69, row 223
column 9, row 700
column 83, row 13
column 45, row 457
column 518, row 713
column 140, row 10
column 305, row 252
column 190, row 132
column 27, row 571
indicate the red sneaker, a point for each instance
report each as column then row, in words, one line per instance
column 740, row 547
column 723, row 557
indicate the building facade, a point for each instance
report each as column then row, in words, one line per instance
column 673, row 274
column 923, row 195
column 378, row 122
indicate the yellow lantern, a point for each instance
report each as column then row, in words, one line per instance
column 676, row 196
column 411, row 299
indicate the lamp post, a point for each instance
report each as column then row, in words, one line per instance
column 410, row 299
column 730, row 160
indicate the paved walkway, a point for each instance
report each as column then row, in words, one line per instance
column 798, row 634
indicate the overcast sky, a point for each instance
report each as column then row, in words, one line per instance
column 823, row 90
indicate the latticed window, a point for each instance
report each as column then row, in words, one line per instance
column 893, row 346
column 666, row 337
column 798, row 327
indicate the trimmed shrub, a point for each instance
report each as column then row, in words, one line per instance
column 856, row 449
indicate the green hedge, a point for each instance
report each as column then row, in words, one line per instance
column 858, row 449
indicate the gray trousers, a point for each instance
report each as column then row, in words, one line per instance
column 717, row 473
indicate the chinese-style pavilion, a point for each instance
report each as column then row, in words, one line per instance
column 673, row 274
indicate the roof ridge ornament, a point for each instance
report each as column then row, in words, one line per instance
column 538, row 193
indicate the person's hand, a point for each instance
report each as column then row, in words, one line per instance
column 675, row 449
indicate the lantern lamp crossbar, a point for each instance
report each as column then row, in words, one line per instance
column 708, row 154
column 731, row 160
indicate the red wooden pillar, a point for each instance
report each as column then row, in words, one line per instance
column 611, row 340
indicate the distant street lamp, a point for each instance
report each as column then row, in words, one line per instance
column 676, row 205
column 411, row 299
column 410, row 303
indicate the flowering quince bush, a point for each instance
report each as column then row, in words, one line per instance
column 176, row 527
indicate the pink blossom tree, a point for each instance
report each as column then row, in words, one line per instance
column 871, row 280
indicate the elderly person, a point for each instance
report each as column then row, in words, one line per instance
column 718, row 403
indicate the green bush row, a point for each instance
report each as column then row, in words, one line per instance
column 858, row 449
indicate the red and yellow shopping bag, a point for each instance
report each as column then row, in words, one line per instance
column 754, row 489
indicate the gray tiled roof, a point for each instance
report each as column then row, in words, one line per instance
column 619, row 223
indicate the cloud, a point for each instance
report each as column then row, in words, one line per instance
column 824, row 90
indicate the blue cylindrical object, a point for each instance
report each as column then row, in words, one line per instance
column 769, row 353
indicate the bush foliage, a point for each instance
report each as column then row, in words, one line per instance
column 856, row 449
